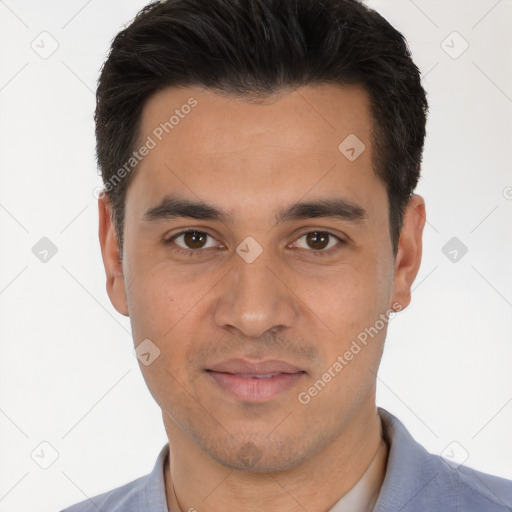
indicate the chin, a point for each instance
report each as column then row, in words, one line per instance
column 260, row 454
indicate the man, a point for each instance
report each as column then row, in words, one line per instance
column 259, row 228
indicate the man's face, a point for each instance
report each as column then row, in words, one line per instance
column 251, row 310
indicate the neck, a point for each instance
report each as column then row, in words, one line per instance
column 194, row 480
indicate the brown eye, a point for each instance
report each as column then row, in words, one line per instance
column 318, row 242
column 193, row 240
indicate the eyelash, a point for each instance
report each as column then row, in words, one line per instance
column 196, row 252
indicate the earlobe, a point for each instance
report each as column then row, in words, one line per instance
column 111, row 257
column 408, row 258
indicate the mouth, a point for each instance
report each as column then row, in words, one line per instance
column 257, row 382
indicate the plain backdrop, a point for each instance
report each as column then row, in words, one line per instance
column 76, row 418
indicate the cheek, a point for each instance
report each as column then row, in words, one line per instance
column 352, row 297
column 170, row 308
column 160, row 297
column 351, row 356
column 351, row 307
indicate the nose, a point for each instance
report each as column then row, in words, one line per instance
column 255, row 298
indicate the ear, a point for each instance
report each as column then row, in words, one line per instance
column 111, row 257
column 408, row 258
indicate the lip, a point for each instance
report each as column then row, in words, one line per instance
column 255, row 381
column 243, row 366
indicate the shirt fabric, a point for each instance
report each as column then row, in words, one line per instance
column 415, row 481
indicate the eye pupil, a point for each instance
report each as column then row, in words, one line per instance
column 317, row 240
column 192, row 238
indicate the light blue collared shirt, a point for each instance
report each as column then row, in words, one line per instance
column 415, row 481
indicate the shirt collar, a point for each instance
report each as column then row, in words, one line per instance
column 154, row 498
column 408, row 470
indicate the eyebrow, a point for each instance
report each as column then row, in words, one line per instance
column 172, row 206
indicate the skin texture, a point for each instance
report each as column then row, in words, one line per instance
column 290, row 303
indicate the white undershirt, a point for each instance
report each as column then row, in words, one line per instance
column 363, row 496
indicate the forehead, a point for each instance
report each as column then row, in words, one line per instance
column 206, row 144
column 322, row 111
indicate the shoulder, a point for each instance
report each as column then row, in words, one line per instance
column 144, row 494
column 124, row 498
column 418, row 480
column 467, row 489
